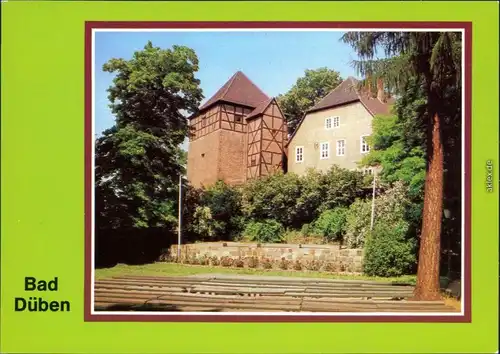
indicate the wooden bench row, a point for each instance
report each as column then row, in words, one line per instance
column 179, row 302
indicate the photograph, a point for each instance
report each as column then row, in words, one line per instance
column 249, row 177
column 278, row 172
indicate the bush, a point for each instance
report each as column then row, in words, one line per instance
column 297, row 265
column 331, row 224
column 357, row 223
column 267, row 231
column 388, row 251
column 253, row 262
column 214, row 261
column 239, row 263
column 306, row 230
column 226, row 261
column 330, row 267
column 204, row 224
column 390, row 209
column 284, row 264
column 272, row 197
column 313, row 264
column 340, row 187
column 224, row 202
column 297, row 237
column 267, row 264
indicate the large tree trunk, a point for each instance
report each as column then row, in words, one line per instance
column 428, row 286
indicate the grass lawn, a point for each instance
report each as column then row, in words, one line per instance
column 175, row 269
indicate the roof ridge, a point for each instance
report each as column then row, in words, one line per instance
column 329, row 93
column 261, row 106
column 230, row 82
column 253, row 83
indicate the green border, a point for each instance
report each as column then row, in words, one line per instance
column 43, row 168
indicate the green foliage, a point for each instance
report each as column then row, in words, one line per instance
column 204, row 224
column 357, row 223
column 213, row 213
column 340, row 187
column 224, row 202
column 306, row 230
column 388, row 251
column 138, row 160
column 398, row 146
column 425, row 69
column 294, row 201
column 307, row 91
column 273, row 197
column 311, row 196
column 266, row 231
column 332, row 223
column 390, row 209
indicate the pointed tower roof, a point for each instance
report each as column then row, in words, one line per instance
column 238, row 89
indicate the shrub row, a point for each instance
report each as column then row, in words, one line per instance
column 265, row 263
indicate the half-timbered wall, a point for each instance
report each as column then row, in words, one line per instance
column 225, row 145
column 217, row 145
column 205, row 123
column 233, row 117
column 267, row 136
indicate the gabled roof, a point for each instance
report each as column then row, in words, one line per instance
column 238, row 89
column 348, row 92
column 345, row 93
column 261, row 108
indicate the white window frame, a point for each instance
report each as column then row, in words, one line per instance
column 297, row 154
column 327, row 150
column 336, row 118
column 328, row 120
column 343, row 147
column 368, row 171
column 361, row 144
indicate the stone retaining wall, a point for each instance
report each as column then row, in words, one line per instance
column 326, row 257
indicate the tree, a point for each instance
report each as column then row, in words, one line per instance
column 307, row 91
column 138, row 160
column 398, row 146
column 434, row 59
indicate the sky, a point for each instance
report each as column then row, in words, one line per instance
column 272, row 60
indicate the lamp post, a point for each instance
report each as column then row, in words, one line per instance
column 373, row 200
column 179, row 223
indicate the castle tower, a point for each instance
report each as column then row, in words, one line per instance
column 238, row 134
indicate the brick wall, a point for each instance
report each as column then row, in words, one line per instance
column 232, row 157
column 331, row 257
column 203, row 159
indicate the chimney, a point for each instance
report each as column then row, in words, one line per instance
column 380, row 90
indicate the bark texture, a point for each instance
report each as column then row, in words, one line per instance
column 428, row 285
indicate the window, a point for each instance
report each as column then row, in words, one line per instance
column 238, row 118
column 203, row 121
column 328, row 123
column 336, row 122
column 299, row 154
column 325, row 151
column 364, row 145
column 340, row 147
column 367, row 171
column 254, row 161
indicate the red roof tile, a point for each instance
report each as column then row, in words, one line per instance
column 348, row 92
column 240, row 90
column 260, row 109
